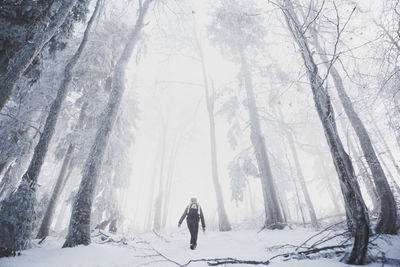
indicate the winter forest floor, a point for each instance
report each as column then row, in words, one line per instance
column 163, row 250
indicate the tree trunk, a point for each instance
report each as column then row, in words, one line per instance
column 61, row 180
column 367, row 177
column 296, row 190
column 300, row 175
column 354, row 203
column 223, row 221
column 6, row 179
column 387, row 217
column 387, row 150
column 159, row 199
column 42, row 32
column 170, row 176
column 150, row 200
column 79, row 227
column 273, row 214
column 389, row 173
column 362, row 169
column 48, row 216
column 330, row 187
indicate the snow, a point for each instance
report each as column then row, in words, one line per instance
column 240, row 244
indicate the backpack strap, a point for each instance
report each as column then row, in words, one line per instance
column 190, row 205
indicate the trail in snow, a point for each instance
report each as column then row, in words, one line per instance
column 244, row 245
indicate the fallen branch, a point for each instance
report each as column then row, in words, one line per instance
column 216, row 262
column 298, row 254
column 210, row 262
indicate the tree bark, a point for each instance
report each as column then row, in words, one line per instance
column 79, row 227
column 273, row 213
column 388, row 213
column 43, row 31
column 354, row 203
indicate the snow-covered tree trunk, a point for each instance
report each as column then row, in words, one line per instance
column 300, row 175
column 354, row 202
column 366, row 177
column 329, row 186
column 170, row 176
column 18, row 212
column 363, row 171
column 79, row 227
column 160, row 194
column 387, row 217
column 60, row 183
column 42, row 32
column 48, row 215
column 6, row 178
column 274, row 219
column 388, row 151
column 293, row 180
column 223, row 221
column 303, row 185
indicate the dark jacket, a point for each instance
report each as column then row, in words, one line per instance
column 193, row 213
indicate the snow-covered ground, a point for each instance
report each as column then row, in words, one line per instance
column 144, row 249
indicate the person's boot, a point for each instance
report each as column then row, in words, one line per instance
column 192, row 246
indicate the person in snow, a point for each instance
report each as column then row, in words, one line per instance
column 194, row 214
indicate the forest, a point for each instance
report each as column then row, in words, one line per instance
column 274, row 125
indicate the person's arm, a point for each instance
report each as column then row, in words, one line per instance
column 203, row 222
column 182, row 217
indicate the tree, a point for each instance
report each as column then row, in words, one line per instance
column 60, row 183
column 239, row 32
column 354, row 203
column 18, row 212
column 300, row 176
column 79, row 227
column 223, row 221
column 388, row 214
column 54, row 15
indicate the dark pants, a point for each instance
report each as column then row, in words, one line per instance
column 193, row 225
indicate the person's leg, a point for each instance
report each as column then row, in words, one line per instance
column 190, row 225
column 195, row 232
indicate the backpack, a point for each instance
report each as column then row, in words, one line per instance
column 193, row 211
